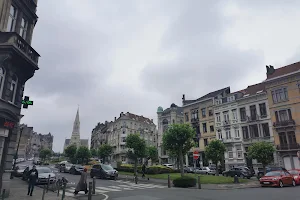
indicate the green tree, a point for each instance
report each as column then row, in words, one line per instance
column 214, row 151
column 179, row 138
column 94, row 152
column 137, row 149
column 83, row 154
column 70, row 151
column 262, row 152
column 152, row 154
column 45, row 154
column 105, row 151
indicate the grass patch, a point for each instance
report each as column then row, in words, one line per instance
column 205, row 179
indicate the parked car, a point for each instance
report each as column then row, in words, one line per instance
column 76, row 169
column 261, row 173
column 44, row 173
column 205, row 170
column 277, row 178
column 188, row 169
column 242, row 173
column 65, row 167
column 20, row 170
column 103, row 171
column 296, row 174
column 252, row 172
column 169, row 165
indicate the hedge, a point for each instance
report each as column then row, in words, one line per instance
column 184, row 182
column 155, row 169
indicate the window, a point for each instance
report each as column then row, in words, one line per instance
column 237, row 133
column 254, row 131
column 23, row 28
column 2, row 77
column 243, row 114
column 13, row 88
column 123, row 158
column 282, row 139
column 203, row 110
column 253, row 112
column 173, row 121
column 123, row 139
column 211, row 128
column 292, row 137
column 220, row 134
column 263, row 110
column 283, row 115
column 194, row 114
column 218, row 117
column 280, row 95
column 239, row 151
column 204, row 128
column 226, row 116
column 228, row 134
column 266, row 130
column 234, row 114
column 11, row 23
column 230, row 153
column 245, row 132
column 124, row 132
column 205, row 142
column 186, row 117
column 210, row 113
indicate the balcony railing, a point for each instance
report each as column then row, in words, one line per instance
column 294, row 146
column 285, row 123
column 12, row 39
column 257, row 139
column 194, row 120
column 252, row 118
column 226, row 123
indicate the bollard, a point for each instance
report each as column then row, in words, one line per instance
column 169, row 181
column 199, row 183
column 3, row 194
column 64, row 192
column 94, row 185
column 90, row 191
column 236, row 179
column 48, row 183
column 44, row 191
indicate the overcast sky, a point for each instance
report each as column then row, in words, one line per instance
column 110, row 56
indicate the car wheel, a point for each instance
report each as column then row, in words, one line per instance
column 280, row 184
column 294, row 183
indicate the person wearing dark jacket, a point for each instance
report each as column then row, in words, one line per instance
column 33, row 175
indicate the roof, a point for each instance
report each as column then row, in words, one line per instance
column 139, row 118
column 179, row 110
column 284, row 70
column 253, row 89
column 207, row 96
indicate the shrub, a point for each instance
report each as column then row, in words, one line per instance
column 184, row 182
column 157, row 169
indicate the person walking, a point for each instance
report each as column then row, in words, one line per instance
column 33, row 175
column 82, row 184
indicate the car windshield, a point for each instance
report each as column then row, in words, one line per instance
column 107, row 167
column 44, row 170
column 273, row 174
column 294, row 172
column 78, row 166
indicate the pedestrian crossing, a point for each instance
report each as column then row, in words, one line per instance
column 119, row 186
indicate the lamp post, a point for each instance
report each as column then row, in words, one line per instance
column 16, row 155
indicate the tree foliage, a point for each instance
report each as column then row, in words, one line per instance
column 214, row 151
column 94, row 152
column 83, row 154
column 45, row 154
column 137, row 148
column 262, row 152
column 179, row 139
column 105, row 151
column 152, row 153
column 70, row 151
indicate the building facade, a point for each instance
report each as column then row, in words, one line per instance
column 75, row 137
column 283, row 90
column 24, row 147
column 200, row 114
column 99, row 134
column 166, row 117
column 18, row 63
column 125, row 124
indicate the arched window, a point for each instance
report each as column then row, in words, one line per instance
column 2, row 78
column 165, row 124
column 13, row 88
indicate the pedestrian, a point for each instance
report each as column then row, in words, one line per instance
column 82, row 185
column 298, row 154
column 33, row 175
column 143, row 170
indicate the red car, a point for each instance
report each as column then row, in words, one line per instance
column 277, row 179
column 296, row 174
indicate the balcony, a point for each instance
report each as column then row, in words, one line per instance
column 226, row 123
column 288, row 147
column 14, row 43
column 257, row 139
column 194, row 120
column 284, row 124
column 252, row 118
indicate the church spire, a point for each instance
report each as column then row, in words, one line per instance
column 75, row 138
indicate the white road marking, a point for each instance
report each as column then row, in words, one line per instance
column 124, row 188
column 109, row 189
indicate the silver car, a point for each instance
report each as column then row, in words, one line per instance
column 44, row 174
column 205, row 170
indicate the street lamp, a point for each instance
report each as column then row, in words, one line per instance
column 16, row 155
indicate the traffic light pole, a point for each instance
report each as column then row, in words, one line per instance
column 16, row 155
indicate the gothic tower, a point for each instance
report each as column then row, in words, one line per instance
column 75, row 138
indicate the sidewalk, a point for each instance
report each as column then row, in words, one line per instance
column 18, row 191
column 250, row 184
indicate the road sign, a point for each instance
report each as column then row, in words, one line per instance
column 195, row 155
column 26, row 102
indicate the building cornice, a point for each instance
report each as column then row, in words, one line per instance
column 279, row 77
column 196, row 102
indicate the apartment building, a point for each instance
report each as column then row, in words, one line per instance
column 125, row 124
column 200, row 114
column 172, row 115
column 99, row 134
column 283, row 90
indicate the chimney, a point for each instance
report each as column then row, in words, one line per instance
column 183, row 97
column 115, row 118
column 151, row 120
column 270, row 70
